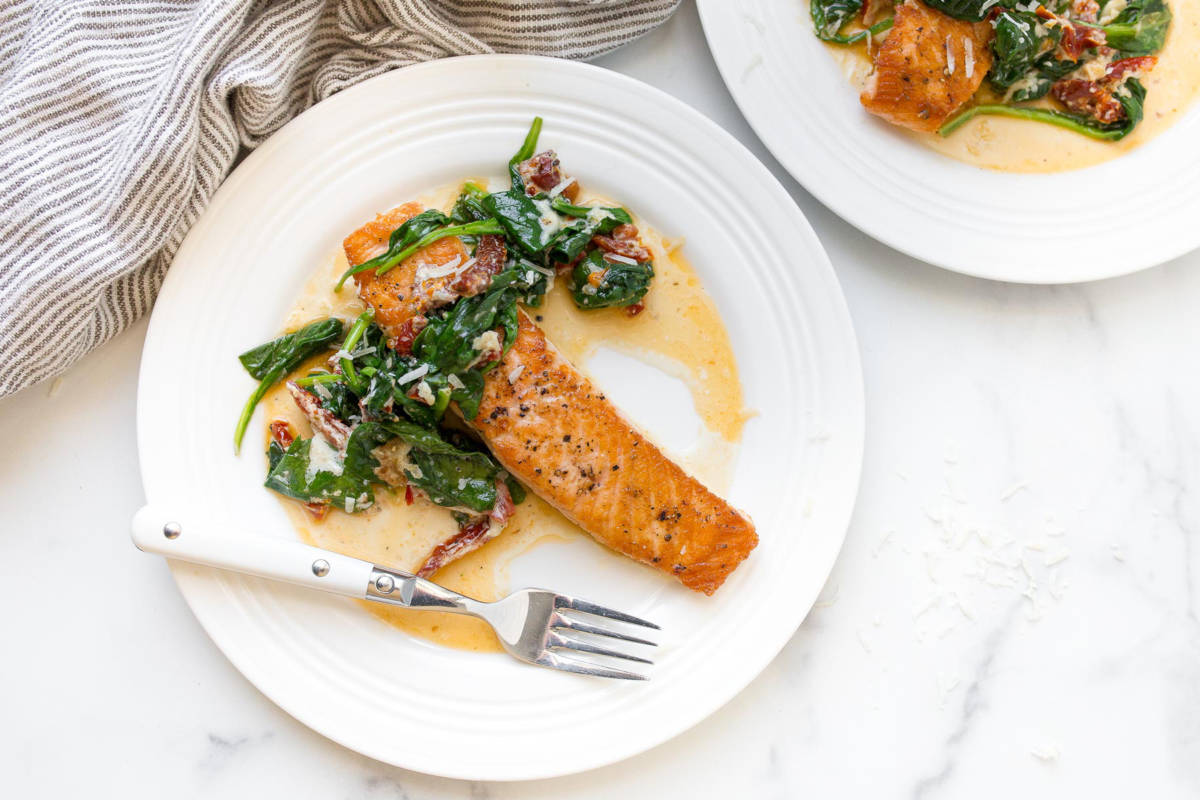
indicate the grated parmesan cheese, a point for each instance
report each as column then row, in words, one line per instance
column 425, row 393
column 486, row 342
column 455, row 382
column 1093, row 69
column 598, row 215
column 969, row 57
column 322, row 457
column 549, row 273
column 413, row 374
column 620, row 259
column 949, row 57
column 1112, row 9
column 562, row 185
column 515, row 373
column 428, row 272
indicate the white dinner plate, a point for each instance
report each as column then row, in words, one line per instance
column 405, row 701
column 1127, row 214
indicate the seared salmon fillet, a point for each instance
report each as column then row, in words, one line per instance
column 560, row 436
column 927, row 67
column 399, row 295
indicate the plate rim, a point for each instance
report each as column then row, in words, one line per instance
column 852, row 451
column 856, row 215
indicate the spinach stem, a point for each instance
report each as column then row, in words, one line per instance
column 321, row 377
column 476, row 228
column 855, row 38
column 1062, row 120
column 564, row 206
column 356, row 332
column 530, row 143
column 269, row 380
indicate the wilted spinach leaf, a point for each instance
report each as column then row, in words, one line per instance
column 1017, row 45
column 584, row 223
column 469, row 205
column 329, row 479
column 969, row 10
column 530, row 222
column 271, row 361
column 448, row 342
column 451, row 476
column 597, row 282
column 289, row 350
column 1140, row 29
column 830, row 17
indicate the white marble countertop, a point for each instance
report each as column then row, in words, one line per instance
column 1016, row 611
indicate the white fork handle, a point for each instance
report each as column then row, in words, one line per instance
column 155, row 531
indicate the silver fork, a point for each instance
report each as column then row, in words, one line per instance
column 536, row 626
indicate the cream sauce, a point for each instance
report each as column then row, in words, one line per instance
column 1015, row 145
column 679, row 332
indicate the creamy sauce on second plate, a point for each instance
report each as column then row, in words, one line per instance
column 1016, row 145
column 679, row 332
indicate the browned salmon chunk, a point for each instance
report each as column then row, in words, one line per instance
column 422, row 282
column 929, row 65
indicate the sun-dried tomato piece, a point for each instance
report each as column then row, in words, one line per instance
column 1090, row 98
column 402, row 342
column 490, row 255
column 1076, row 39
column 504, row 507
column 472, row 534
column 323, row 421
column 282, row 433
column 318, row 510
column 623, row 241
column 542, row 172
column 469, row 537
column 1098, row 99
column 1117, row 70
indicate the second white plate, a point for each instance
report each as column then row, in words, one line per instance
column 484, row 716
column 1118, row 217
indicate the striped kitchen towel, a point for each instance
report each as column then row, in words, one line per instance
column 118, row 120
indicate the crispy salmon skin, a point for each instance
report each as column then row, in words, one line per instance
column 929, row 65
column 562, row 438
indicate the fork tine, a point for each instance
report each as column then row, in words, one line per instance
column 568, row 643
column 559, row 621
column 575, row 604
column 567, row 664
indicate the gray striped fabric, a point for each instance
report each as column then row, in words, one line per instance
column 118, row 120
